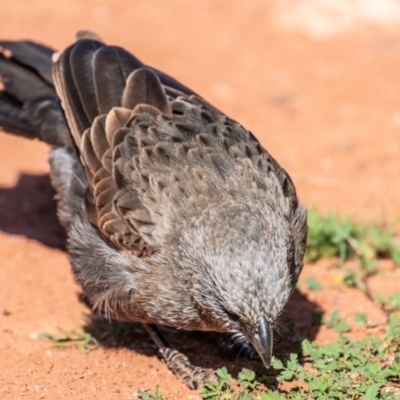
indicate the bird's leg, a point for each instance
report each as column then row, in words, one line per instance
column 179, row 364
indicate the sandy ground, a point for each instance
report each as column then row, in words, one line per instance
column 324, row 101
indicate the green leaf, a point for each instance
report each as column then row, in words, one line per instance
column 307, row 349
column 318, row 385
column 339, row 324
column 208, row 393
column 276, row 363
column 245, row 396
column 224, row 375
column 286, row 375
column 293, row 364
column 372, row 392
column 313, row 284
column 380, row 298
column 361, row 319
column 394, row 302
column 331, row 236
column 271, row 396
column 374, row 367
column 246, row 375
column 342, row 327
column 146, row 395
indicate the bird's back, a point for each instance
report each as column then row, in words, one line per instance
column 154, row 152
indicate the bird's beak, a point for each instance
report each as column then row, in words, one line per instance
column 262, row 341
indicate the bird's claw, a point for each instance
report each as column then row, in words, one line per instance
column 192, row 376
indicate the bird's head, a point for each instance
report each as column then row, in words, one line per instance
column 245, row 275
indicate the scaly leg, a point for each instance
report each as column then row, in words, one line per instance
column 179, row 364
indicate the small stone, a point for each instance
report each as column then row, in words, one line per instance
column 33, row 335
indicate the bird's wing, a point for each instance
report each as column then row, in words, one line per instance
column 91, row 77
column 111, row 101
column 150, row 145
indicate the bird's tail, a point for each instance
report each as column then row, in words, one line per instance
column 29, row 105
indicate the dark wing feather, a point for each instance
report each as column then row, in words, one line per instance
column 81, row 62
column 14, row 74
column 112, row 66
column 143, row 87
column 69, row 95
column 10, row 117
column 32, row 55
column 29, row 105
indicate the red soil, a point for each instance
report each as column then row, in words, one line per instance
column 327, row 108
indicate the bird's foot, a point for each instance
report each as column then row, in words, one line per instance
column 179, row 365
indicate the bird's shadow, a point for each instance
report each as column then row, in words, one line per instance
column 300, row 321
column 29, row 209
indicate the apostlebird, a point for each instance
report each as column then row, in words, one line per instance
column 175, row 214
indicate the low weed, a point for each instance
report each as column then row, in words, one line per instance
column 344, row 238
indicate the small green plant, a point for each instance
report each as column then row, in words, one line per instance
column 79, row 339
column 346, row 369
column 220, row 390
column 289, row 371
column 272, row 395
column 313, row 284
column 390, row 303
column 361, row 319
column 250, row 389
column 247, row 380
column 338, row 323
column 346, row 239
column 146, row 395
column 331, row 236
column 350, row 369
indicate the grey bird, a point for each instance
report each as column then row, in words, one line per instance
column 175, row 214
